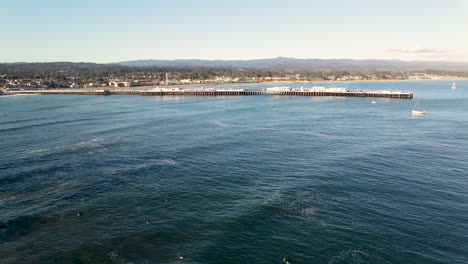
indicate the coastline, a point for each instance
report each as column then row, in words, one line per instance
column 275, row 83
column 245, row 84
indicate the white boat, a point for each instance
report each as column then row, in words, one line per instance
column 416, row 110
column 454, row 86
column 373, row 102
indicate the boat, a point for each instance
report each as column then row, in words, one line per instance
column 373, row 102
column 454, row 86
column 417, row 110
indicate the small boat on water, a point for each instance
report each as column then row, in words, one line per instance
column 373, row 102
column 417, row 110
column 454, row 86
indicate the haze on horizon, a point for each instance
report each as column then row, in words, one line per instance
column 112, row 31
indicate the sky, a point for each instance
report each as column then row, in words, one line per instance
column 105, row 31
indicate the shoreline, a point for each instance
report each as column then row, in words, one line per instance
column 242, row 84
column 272, row 83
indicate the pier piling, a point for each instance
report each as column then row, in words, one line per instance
column 220, row 92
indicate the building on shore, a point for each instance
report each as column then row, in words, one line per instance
column 119, row 84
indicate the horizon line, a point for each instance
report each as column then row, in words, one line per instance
column 211, row 60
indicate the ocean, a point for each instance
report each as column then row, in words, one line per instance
column 250, row 179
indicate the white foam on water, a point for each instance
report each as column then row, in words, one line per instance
column 93, row 143
column 148, row 164
column 166, row 162
column 96, row 144
column 116, row 258
column 351, row 256
column 316, row 134
column 311, row 211
column 36, row 151
column 219, row 123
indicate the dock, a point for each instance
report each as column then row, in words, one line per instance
column 279, row 91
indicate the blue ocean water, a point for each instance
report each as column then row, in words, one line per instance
column 250, row 179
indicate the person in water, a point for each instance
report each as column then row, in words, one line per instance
column 285, row 261
column 79, row 214
column 148, row 222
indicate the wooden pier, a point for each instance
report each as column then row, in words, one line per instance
column 222, row 92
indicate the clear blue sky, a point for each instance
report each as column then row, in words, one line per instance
column 117, row 30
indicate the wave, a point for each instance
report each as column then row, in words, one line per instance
column 300, row 132
column 16, row 95
column 9, row 122
column 93, row 143
column 98, row 144
column 37, row 151
column 306, row 204
column 50, row 108
column 147, row 164
column 44, row 124
column 219, row 123
column 309, row 211
column 116, row 258
column 317, row 134
column 166, row 162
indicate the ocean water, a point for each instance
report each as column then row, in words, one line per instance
column 250, row 179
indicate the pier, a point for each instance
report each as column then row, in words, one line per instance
column 280, row 91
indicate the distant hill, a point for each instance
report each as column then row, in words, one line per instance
column 21, row 68
column 73, row 68
column 282, row 63
column 220, row 66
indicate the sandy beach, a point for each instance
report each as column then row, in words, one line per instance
column 281, row 83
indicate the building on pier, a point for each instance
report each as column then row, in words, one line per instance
column 279, row 89
column 327, row 90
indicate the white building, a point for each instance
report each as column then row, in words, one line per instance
column 329, row 90
column 279, row 89
column 119, row 84
column 175, row 89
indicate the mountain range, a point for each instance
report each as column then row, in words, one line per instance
column 282, row 63
column 275, row 64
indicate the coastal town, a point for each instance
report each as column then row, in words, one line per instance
column 138, row 80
